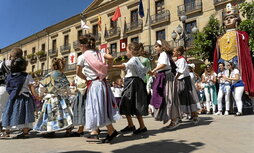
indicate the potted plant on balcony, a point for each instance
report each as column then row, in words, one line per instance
column 30, row 56
column 41, row 54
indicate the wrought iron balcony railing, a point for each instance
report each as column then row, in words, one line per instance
column 218, row 2
column 53, row 52
column 160, row 17
column 134, row 26
column 65, row 48
column 76, row 45
column 189, row 7
column 113, row 33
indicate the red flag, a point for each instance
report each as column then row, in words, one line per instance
column 117, row 14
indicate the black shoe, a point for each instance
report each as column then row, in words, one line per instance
column 138, row 131
column 76, row 134
column 128, row 129
column 21, row 136
column 110, row 137
column 49, row 135
column 93, row 136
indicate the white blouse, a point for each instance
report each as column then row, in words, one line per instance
column 163, row 59
column 233, row 75
column 182, row 67
column 87, row 70
column 134, row 67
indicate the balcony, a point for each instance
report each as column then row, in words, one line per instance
column 134, row 26
column 97, row 37
column 76, row 45
column 33, row 59
column 70, row 69
column 113, row 33
column 65, row 48
column 42, row 56
column 221, row 2
column 161, row 17
column 53, row 52
column 190, row 8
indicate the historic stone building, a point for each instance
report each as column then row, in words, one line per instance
column 161, row 18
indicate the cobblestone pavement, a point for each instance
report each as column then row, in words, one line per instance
column 214, row 134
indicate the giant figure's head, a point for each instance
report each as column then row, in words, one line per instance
column 231, row 16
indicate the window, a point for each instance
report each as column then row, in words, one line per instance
column 161, row 35
column 42, row 66
column 43, row 47
column 79, row 33
column 66, row 40
column 33, row 50
column 25, row 53
column 33, row 68
column 113, row 24
column 159, row 6
column 135, row 39
column 113, row 48
column 188, row 28
column 134, row 16
column 54, row 45
column 189, row 4
column 95, row 29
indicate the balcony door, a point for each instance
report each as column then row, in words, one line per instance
column 159, row 6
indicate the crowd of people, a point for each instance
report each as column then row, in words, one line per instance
column 168, row 91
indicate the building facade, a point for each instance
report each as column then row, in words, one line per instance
column 161, row 17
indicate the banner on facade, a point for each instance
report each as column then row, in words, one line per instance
column 72, row 58
column 123, row 45
column 104, row 47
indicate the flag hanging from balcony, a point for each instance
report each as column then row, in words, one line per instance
column 123, row 45
column 105, row 32
column 117, row 14
column 141, row 9
column 83, row 25
column 99, row 23
column 124, row 26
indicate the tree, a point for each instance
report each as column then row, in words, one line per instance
column 247, row 9
column 205, row 41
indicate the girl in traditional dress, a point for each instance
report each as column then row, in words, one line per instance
column 56, row 112
column 19, row 110
column 185, row 88
column 237, row 87
column 101, row 108
column 163, row 98
column 209, row 80
column 117, row 90
column 134, row 100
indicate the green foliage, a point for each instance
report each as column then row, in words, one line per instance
column 29, row 56
column 247, row 25
column 40, row 53
column 205, row 41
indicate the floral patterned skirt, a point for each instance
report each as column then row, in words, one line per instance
column 56, row 115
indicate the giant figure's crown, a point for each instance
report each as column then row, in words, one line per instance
column 230, row 10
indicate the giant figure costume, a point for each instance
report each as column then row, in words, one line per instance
column 233, row 47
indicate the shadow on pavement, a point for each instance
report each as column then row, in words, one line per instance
column 163, row 146
column 80, row 151
column 186, row 124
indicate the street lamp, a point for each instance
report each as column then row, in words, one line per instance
column 180, row 33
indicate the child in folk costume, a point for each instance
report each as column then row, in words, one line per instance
column 163, row 98
column 185, row 88
column 56, row 112
column 134, row 100
column 101, row 108
column 117, row 90
column 4, row 71
column 19, row 110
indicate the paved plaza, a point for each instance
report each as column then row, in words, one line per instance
column 214, row 134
